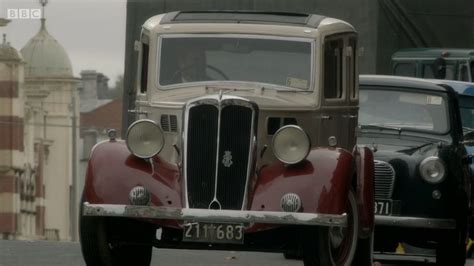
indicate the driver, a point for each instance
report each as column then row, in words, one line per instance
column 191, row 65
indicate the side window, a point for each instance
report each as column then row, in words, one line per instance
column 405, row 69
column 472, row 71
column 351, row 59
column 144, row 68
column 333, row 50
column 428, row 71
column 439, row 70
column 463, row 72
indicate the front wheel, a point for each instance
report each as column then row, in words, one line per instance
column 451, row 249
column 104, row 244
column 115, row 241
column 365, row 251
column 333, row 245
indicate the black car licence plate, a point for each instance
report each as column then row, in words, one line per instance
column 383, row 207
column 213, row 233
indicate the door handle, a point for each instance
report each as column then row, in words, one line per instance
column 134, row 111
column 350, row 116
column 325, row 117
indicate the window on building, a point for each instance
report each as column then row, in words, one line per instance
column 333, row 51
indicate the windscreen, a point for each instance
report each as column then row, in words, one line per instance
column 278, row 62
column 403, row 110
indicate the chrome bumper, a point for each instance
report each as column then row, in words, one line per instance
column 415, row 222
column 217, row 216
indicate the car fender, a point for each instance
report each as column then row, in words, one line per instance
column 364, row 161
column 113, row 172
column 321, row 181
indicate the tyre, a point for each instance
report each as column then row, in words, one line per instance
column 451, row 246
column 364, row 255
column 325, row 246
column 451, row 249
column 102, row 241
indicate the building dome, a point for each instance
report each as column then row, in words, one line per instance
column 45, row 57
column 8, row 53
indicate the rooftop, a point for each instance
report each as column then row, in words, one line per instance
column 283, row 18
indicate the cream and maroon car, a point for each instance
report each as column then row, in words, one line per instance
column 244, row 139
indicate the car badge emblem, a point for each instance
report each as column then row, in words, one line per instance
column 227, row 159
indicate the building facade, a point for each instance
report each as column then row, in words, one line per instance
column 39, row 121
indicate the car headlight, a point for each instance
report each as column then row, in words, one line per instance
column 291, row 144
column 432, row 170
column 145, row 138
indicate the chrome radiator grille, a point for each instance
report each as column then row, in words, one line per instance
column 219, row 140
column 384, row 180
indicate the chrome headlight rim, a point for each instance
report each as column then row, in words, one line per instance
column 154, row 124
column 304, row 134
column 424, row 163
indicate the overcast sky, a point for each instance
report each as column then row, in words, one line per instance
column 91, row 31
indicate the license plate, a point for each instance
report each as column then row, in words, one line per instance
column 213, row 233
column 383, row 207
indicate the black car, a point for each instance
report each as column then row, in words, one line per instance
column 422, row 184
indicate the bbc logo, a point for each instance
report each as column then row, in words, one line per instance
column 23, row 13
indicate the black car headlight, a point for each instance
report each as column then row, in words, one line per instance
column 433, row 170
column 291, row 144
column 145, row 138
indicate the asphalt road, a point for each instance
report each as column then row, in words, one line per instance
column 48, row 253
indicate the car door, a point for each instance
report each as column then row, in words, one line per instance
column 333, row 121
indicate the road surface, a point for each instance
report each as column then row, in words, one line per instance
column 49, row 253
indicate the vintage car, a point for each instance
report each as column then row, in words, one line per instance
column 466, row 107
column 244, row 139
column 434, row 63
column 422, row 182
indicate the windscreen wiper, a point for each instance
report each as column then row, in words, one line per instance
column 398, row 129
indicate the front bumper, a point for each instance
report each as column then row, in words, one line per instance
column 217, row 216
column 415, row 222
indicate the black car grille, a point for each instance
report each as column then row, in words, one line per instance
column 201, row 155
column 384, row 180
column 233, row 140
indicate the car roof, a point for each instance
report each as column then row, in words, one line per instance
column 433, row 53
column 402, row 82
column 461, row 87
column 253, row 17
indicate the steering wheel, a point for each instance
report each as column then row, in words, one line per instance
column 218, row 71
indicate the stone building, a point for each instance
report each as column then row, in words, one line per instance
column 50, row 87
column 39, row 118
column 17, row 179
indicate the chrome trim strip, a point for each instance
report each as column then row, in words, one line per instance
column 218, row 140
column 411, row 59
column 217, row 216
column 418, row 222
